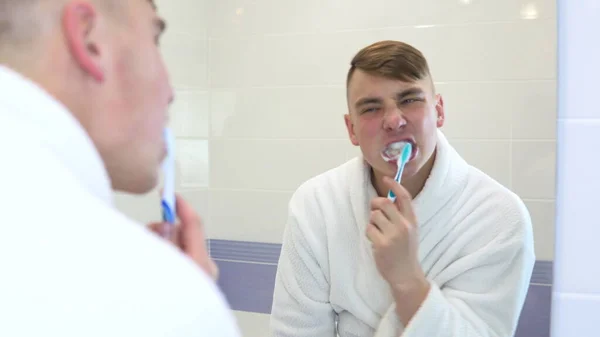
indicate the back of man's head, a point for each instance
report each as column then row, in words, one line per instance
column 19, row 24
column 100, row 59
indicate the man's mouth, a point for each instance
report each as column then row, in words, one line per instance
column 394, row 149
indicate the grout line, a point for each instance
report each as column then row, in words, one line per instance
column 185, row 189
column 510, row 156
column 208, row 62
column 209, row 110
column 343, row 86
column 538, row 200
column 190, row 90
column 539, row 140
column 579, row 120
column 360, row 30
column 583, row 296
column 540, row 284
column 227, row 189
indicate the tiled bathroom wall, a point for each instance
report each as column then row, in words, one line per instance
column 261, row 98
column 576, row 291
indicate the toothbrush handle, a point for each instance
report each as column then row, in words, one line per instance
column 391, row 194
column 167, row 214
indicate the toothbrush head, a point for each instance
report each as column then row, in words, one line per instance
column 397, row 150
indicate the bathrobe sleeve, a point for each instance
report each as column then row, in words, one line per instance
column 485, row 292
column 301, row 305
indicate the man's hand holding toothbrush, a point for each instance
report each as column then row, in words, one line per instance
column 393, row 233
column 188, row 235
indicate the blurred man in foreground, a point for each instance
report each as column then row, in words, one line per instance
column 83, row 103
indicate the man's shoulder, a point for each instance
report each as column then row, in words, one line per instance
column 97, row 255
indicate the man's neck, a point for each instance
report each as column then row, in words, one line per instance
column 414, row 185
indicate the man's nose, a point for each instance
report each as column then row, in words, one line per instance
column 393, row 119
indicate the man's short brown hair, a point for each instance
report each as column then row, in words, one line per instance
column 391, row 59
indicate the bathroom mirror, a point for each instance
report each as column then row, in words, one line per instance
column 260, row 99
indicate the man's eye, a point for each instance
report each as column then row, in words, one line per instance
column 370, row 110
column 410, row 100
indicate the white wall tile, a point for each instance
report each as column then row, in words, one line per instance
column 455, row 53
column 533, row 169
column 278, row 165
column 248, row 215
column 253, row 324
column 499, row 110
column 576, row 298
column 193, row 163
column 352, row 152
column 232, row 17
column 478, row 105
column 258, row 61
column 272, row 113
column 144, row 209
column 578, row 315
column 199, row 199
column 579, row 61
column 578, row 225
column 542, row 217
column 489, row 52
column 185, row 16
column 186, row 59
column 189, row 114
column 491, row 157
column 533, row 109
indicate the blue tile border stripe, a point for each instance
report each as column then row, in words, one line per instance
column 542, row 273
column 247, row 286
column 244, row 251
column 248, row 270
column 262, row 252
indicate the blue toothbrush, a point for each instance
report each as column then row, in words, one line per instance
column 401, row 159
column 168, row 194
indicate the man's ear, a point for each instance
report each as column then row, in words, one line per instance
column 79, row 22
column 350, row 128
column 439, row 108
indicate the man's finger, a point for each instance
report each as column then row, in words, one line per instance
column 389, row 210
column 192, row 233
column 214, row 270
column 373, row 234
column 167, row 231
column 185, row 212
column 403, row 199
column 380, row 221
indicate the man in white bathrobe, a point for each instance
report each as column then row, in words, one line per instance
column 452, row 257
column 83, row 103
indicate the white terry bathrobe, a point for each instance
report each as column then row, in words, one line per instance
column 71, row 264
column 476, row 248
